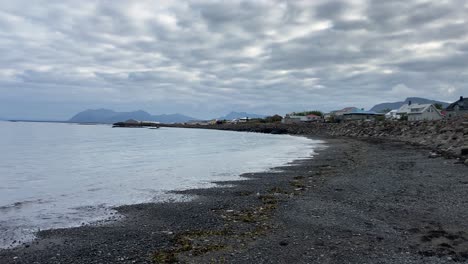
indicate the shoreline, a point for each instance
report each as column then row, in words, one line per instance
column 257, row 220
column 446, row 138
column 309, row 146
column 42, row 238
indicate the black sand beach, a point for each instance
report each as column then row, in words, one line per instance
column 356, row 202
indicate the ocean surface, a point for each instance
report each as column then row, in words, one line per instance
column 56, row 175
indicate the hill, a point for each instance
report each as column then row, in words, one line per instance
column 396, row 105
column 109, row 116
column 236, row 115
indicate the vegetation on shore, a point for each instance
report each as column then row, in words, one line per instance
column 240, row 228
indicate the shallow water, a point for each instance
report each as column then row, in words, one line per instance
column 62, row 175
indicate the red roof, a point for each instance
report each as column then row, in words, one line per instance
column 313, row 116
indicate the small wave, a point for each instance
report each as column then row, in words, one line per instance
column 19, row 205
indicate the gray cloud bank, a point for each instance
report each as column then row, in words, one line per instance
column 205, row 58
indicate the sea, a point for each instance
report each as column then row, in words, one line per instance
column 58, row 175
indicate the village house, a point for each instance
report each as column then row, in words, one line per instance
column 291, row 119
column 392, row 115
column 313, row 118
column 458, row 108
column 424, row 112
column 337, row 115
column 419, row 112
column 361, row 114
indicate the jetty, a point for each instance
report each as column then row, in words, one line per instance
column 137, row 124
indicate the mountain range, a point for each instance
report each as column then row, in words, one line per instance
column 396, row 105
column 109, row 116
column 237, row 115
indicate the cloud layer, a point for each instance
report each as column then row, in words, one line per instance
column 205, row 58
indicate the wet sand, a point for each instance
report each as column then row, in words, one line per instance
column 355, row 202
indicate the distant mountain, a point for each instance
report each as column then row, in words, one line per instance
column 109, row 116
column 396, row 105
column 235, row 115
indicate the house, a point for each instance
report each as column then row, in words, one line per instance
column 344, row 111
column 458, row 108
column 291, row 119
column 337, row 115
column 419, row 112
column 312, row 118
column 422, row 112
column 392, row 115
column 361, row 114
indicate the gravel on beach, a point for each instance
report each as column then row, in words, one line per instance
column 355, row 202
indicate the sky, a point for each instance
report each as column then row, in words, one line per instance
column 207, row 58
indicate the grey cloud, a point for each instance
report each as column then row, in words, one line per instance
column 331, row 9
column 205, row 58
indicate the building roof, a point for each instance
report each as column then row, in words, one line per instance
column 418, row 108
column 294, row 117
column 362, row 112
column 413, row 108
column 421, row 108
column 462, row 104
column 344, row 110
column 313, row 116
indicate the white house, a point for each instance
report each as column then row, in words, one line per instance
column 419, row 112
column 392, row 115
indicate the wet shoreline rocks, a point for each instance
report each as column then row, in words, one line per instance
column 448, row 138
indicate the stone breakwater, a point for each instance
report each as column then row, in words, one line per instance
column 447, row 137
column 444, row 137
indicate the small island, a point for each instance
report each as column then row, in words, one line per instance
column 137, row 124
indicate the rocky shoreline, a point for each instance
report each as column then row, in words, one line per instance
column 357, row 201
column 448, row 138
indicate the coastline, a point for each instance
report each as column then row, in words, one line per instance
column 446, row 137
column 356, row 202
column 65, row 237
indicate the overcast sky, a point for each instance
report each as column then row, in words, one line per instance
column 206, row 58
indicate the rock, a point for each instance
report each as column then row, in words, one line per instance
column 464, row 150
column 466, row 162
column 433, row 155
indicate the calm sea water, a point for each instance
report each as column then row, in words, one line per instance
column 63, row 175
